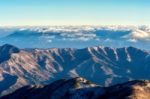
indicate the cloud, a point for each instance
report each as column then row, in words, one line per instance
column 78, row 36
column 87, row 33
column 72, row 33
column 138, row 34
column 132, row 40
column 107, row 40
column 49, row 41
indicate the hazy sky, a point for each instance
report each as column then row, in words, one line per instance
column 74, row 12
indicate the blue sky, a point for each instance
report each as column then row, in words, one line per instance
column 74, row 12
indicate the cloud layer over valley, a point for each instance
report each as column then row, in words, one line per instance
column 76, row 36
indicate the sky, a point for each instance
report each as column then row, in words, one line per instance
column 74, row 12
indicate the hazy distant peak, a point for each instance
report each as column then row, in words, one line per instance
column 6, row 51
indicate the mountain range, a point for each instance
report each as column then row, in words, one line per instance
column 80, row 88
column 105, row 66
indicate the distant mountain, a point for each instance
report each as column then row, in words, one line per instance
column 103, row 65
column 76, row 36
column 6, row 51
column 80, row 88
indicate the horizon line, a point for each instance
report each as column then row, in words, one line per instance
column 69, row 25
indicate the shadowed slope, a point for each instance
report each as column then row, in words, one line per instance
column 79, row 88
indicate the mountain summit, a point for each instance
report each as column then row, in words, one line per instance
column 6, row 51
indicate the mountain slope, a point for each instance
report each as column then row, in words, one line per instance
column 79, row 88
column 102, row 65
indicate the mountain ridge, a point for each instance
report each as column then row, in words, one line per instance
column 102, row 65
column 78, row 88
